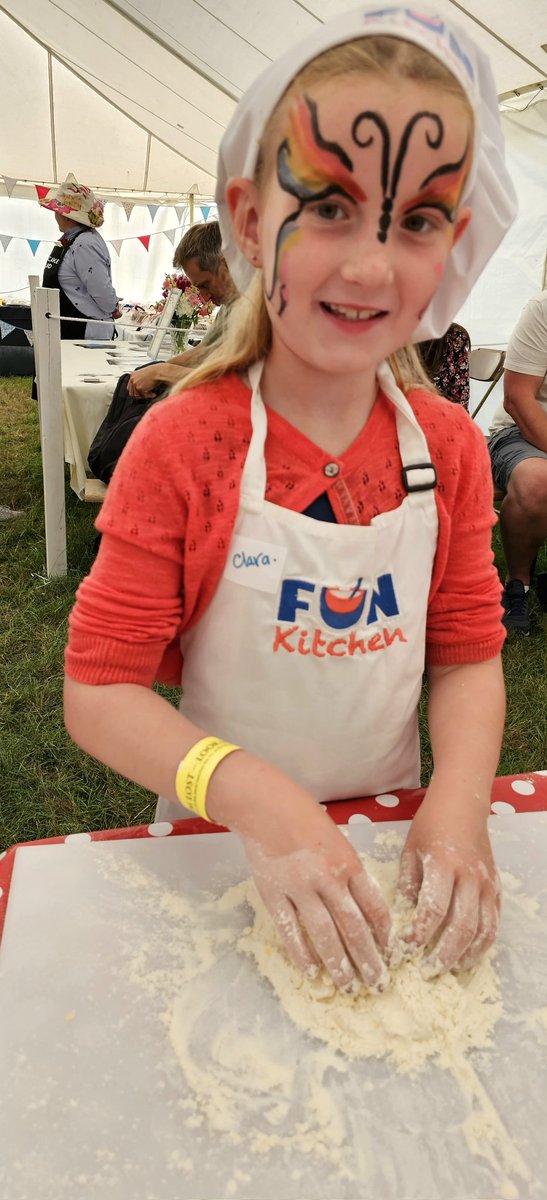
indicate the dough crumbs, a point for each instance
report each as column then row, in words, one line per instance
column 413, row 1020
column 251, row 1090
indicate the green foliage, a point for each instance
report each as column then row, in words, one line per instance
column 49, row 787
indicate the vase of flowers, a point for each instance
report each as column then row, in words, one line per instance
column 190, row 309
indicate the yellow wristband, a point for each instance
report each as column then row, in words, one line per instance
column 194, row 773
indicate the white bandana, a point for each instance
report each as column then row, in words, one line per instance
column 488, row 191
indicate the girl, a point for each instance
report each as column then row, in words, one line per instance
column 306, row 522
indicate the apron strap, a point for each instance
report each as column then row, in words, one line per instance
column 253, row 480
column 419, row 474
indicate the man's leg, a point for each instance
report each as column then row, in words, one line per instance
column 523, row 525
column 523, row 517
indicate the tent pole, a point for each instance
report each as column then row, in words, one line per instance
column 47, row 349
column 191, row 206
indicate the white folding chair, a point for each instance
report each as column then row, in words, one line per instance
column 486, row 365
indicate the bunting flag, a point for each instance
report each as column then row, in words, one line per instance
column 180, row 210
column 170, row 233
column 9, row 183
column 152, row 209
column 145, row 240
column 117, row 244
column 5, row 240
column 127, row 208
column 41, row 191
column 205, row 210
column 34, row 242
column 5, row 329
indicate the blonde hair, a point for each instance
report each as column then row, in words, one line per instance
column 248, row 333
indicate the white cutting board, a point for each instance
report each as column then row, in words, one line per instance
column 95, row 1106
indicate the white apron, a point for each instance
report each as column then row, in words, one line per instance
column 311, row 652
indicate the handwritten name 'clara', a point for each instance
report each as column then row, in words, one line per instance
column 240, row 559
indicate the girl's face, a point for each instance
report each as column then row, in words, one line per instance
column 356, row 217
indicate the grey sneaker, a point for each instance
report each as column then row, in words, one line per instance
column 515, row 603
column 7, row 514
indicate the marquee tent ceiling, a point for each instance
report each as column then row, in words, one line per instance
column 133, row 97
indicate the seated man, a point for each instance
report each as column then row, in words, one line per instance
column 518, row 449
column 199, row 255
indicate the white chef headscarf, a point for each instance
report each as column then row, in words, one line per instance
column 488, row 191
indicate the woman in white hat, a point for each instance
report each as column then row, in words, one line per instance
column 312, row 523
column 79, row 264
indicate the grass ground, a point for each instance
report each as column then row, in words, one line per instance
column 49, row 787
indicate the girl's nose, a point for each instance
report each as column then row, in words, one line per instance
column 368, row 262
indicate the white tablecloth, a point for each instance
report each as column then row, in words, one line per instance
column 90, row 371
column 89, row 375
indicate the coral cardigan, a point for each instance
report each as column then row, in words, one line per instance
column 171, row 506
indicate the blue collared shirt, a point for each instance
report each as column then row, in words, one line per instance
column 86, row 278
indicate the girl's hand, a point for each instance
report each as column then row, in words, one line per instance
column 324, row 906
column 448, row 871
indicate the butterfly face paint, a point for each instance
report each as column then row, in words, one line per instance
column 311, row 169
column 443, row 196
column 340, row 297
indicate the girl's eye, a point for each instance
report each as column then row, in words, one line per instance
column 418, row 223
column 328, row 210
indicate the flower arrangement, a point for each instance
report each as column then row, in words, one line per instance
column 190, row 309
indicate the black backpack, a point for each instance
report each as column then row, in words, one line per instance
column 121, row 419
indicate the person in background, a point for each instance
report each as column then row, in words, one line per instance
column 79, row 264
column 312, row 524
column 446, row 362
column 199, row 255
column 518, row 450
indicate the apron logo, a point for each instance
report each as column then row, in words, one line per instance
column 339, row 609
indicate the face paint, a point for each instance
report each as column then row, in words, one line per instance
column 311, row 169
column 448, row 191
column 442, row 189
column 287, row 237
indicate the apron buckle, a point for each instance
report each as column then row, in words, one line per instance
column 426, row 482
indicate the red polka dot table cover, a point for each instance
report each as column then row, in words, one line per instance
column 510, row 794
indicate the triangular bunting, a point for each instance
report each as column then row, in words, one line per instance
column 9, row 183
column 145, row 239
column 128, row 207
column 5, row 329
column 152, row 209
column 180, row 210
column 117, row 244
column 170, row 233
column 205, row 210
column 41, row 191
column 5, row 240
column 33, row 243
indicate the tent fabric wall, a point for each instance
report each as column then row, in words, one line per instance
column 102, row 87
column 134, row 98
column 516, row 271
column 137, row 272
